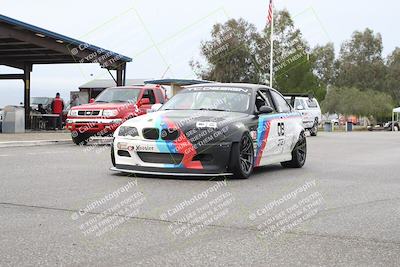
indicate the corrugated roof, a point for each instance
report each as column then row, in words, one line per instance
column 23, row 42
column 106, row 83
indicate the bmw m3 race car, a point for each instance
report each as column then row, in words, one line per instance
column 212, row 130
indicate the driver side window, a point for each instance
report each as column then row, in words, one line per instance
column 262, row 100
column 150, row 95
column 281, row 104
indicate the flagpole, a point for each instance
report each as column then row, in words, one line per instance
column 271, row 63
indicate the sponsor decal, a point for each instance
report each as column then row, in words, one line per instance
column 206, row 124
column 142, row 148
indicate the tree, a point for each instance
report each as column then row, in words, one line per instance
column 392, row 83
column 293, row 71
column 324, row 63
column 353, row 101
column 229, row 53
column 238, row 53
column 360, row 62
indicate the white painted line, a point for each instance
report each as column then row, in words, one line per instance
column 44, row 152
column 33, row 143
column 3, row 155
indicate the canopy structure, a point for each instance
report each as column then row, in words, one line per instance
column 22, row 45
column 395, row 111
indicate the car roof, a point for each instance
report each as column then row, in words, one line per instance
column 243, row 85
column 135, row 87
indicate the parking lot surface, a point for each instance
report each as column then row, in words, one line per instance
column 61, row 205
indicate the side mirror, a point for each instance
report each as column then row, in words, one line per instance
column 91, row 100
column 299, row 107
column 265, row 110
column 155, row 107
column 144, row 101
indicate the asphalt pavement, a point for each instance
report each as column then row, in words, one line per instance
column 60, row 205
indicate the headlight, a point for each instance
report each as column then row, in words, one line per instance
column 110, row 112
column 72, row 112
column 128, row 131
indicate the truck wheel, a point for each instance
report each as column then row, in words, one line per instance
column 80, row 139
column 314, row 129
column 242, row 158
column 299, row 154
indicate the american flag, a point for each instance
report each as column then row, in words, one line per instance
column 270, row 10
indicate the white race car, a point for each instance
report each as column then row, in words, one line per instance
column 212, row 130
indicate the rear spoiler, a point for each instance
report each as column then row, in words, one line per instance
column 294, row 95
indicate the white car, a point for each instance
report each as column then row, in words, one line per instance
column 309, row 109
column 212, row 130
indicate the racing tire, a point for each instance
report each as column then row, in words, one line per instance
column 299, row 154
column 242, row 157
column 80, row 139
column 314, row 129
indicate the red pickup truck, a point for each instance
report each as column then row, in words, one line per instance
column 110, row 109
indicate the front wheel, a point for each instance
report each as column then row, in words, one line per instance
column 299, row 154
column 80, row 139
column 243, row 157
column 314, row 129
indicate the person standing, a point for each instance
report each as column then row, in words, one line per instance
column 57, row 107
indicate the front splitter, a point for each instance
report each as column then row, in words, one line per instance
column 172, row 173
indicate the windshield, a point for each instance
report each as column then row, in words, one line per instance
column 39, row 100
column 211, row 98
column 116, row 95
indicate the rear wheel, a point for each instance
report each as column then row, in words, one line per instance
column 242, row 161
column 299, row 154
column 80, row 139
column 314, row 129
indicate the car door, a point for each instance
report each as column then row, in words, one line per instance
column 285, row 122
column 267, row 148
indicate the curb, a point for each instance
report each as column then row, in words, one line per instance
column 34, row 143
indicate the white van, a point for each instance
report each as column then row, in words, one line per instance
column 309, row 108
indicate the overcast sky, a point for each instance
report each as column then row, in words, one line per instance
column 161, row 34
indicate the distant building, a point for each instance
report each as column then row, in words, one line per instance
column 93, row 88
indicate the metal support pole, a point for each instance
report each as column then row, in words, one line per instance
column 392, row 121
column 121, row 75
column 124, row 78
column 27, row 94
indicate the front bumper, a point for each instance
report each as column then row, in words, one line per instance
column 308, row 124
column 93, row 125
column 162, row 158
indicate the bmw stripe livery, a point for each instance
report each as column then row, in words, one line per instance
column 212, row 130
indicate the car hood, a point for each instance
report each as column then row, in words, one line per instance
column 184, row 118
column 200, row 127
